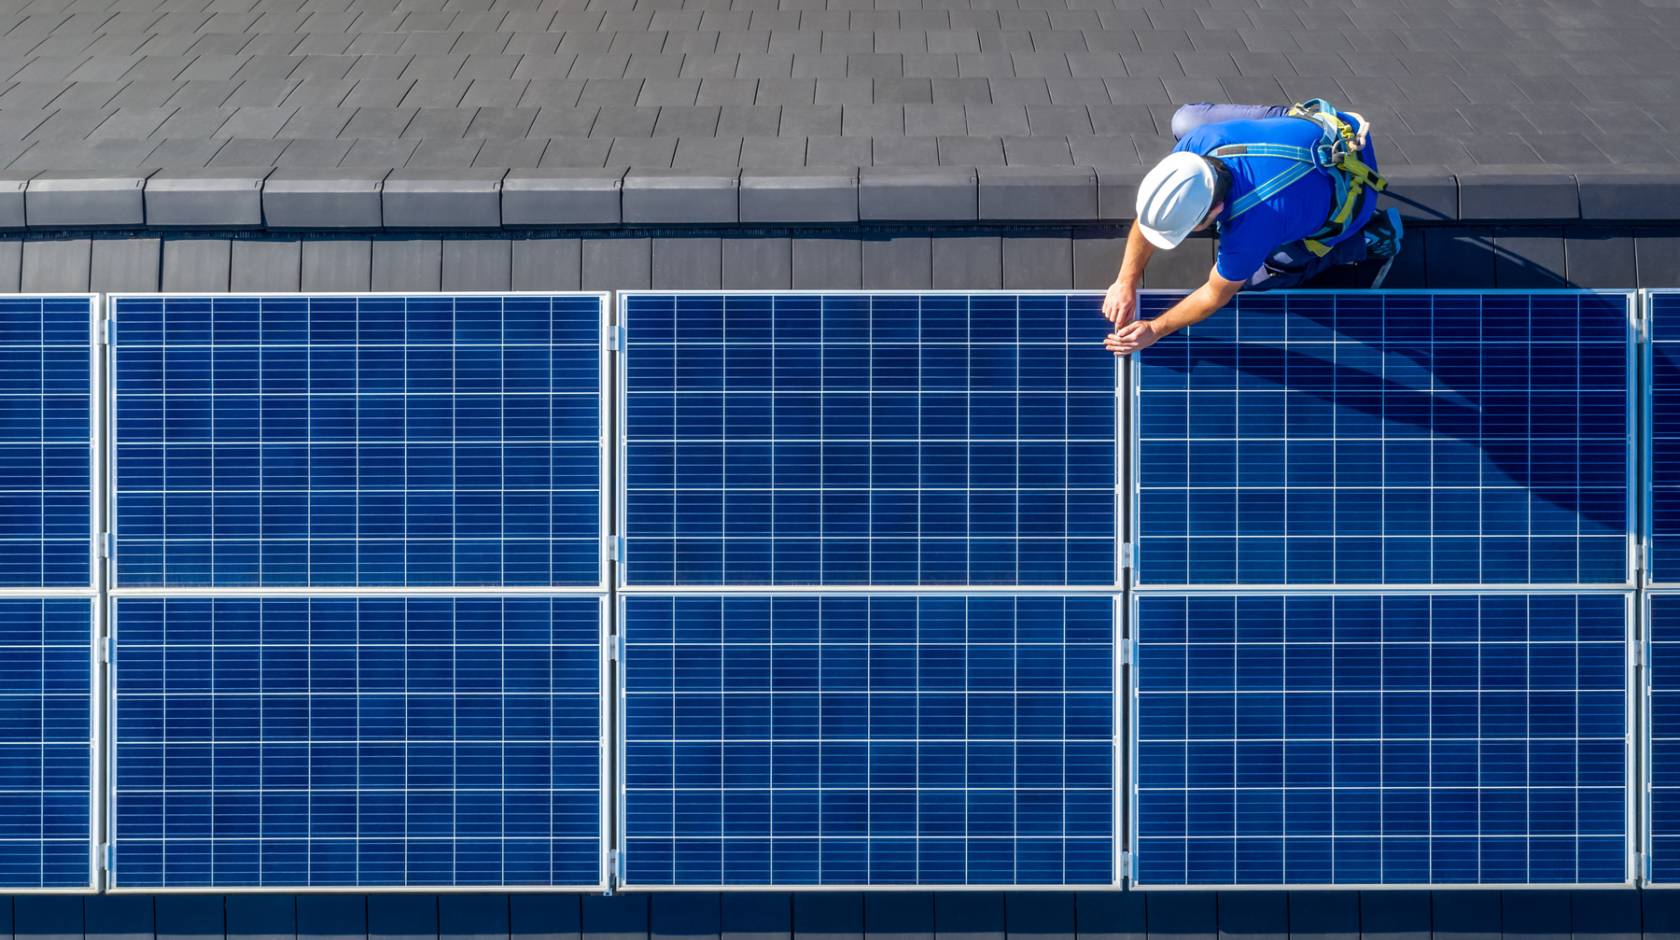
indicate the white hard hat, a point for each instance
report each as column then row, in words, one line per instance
column 1174, row 198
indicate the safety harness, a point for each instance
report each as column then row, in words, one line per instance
column 1336, row 156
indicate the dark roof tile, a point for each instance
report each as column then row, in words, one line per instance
column 792, row 83
column 749, row 120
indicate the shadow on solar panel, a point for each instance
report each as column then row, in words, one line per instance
column 1662, row 455
column 1319, row 438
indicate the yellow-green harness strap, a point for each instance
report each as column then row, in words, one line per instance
column 1357, row 177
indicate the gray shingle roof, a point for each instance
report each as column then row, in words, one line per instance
column 1056, row 102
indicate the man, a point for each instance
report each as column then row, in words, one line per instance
column 1291, row 193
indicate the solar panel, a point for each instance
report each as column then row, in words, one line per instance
column 1662, row 729
column 46, row 441
column 868, row 740
column 1663, row 452
column 1382, row 739
column 868, row 439
column 46, row 743
column 374, row 741
column 1399, row 438
column 369, row 440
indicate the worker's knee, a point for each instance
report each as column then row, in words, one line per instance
column 1191, row 116
column 1294, row 265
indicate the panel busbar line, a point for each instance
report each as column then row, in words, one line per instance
column 311, row 440
column 867, row 439
column 370, row 742
column 1662, row 454
column 1444, row 438
column 1401, row 739
column 805, row 740
column 47, row 746
column 48, row 441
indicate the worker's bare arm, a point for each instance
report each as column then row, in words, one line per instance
column 1202, row 302
column 1120, row 305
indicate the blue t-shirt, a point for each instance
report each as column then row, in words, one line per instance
column 1293, row 214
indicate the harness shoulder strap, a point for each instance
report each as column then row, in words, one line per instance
column 1335, row 156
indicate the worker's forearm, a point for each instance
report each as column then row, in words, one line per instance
column 1138, row 253
column 1198, row 306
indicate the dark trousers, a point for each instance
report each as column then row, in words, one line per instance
column 1292, row 265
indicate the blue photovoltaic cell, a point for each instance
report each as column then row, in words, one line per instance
column 859, row 439
column 46, row 740
column 1322, row 438
column 1382, row 739
column 879, row 740
column 298, row 440
column 1662, row 628
column 1664, row 453
column 291, row 742
column 46, row 453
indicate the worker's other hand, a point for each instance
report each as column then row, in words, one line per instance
column 1139, row 334
column 1120, row 303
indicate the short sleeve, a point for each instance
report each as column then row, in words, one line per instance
column 1197, row 141
column 1241, row 253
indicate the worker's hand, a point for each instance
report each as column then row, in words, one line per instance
column 1139, row 334
column 1120, row 303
